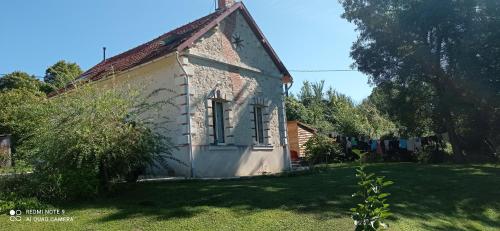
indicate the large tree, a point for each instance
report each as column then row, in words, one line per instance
column 409, row 107
column 444, row 54
column 333, row 111
column 18, row 88
column 61, row 73
column 19, row 80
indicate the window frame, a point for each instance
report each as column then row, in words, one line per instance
column 216, row 124
column 259, row 125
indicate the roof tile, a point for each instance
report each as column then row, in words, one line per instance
column 149, row 51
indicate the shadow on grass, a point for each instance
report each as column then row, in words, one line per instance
column 434, row 196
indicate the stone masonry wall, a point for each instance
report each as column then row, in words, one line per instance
column 245, row 76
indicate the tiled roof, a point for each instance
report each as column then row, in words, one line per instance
column 149, row 51
column 175, row 40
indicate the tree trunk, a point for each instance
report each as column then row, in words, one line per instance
column 452, row 134
column 456, row 146
column 445, row 111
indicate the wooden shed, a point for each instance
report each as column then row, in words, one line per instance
column 298, row 134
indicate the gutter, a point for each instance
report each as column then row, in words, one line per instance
column 188, row 102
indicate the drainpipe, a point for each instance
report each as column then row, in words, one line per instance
column 285, row 127
column 188, row 115
column 287, row 88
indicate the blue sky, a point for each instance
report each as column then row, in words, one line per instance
column 305, row 34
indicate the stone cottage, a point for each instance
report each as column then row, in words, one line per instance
column 228, row 86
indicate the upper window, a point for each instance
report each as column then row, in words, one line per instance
column 259, row 125
column 218, row 120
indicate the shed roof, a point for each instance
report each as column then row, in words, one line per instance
column 304, row 126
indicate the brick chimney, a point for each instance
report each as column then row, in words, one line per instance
column 225, row 3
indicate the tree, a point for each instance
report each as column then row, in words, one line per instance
column 311, row 106
column 333, row 111
column 16, row 117
column 318, row 88
column 295, row 110
column 408, row 107
column 442, row 53
column 19, row 80
column 18, row 89
column 306, row 93
column 61, row 73
column 343, row 115
column 377, row 123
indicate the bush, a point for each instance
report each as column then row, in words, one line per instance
column 367, row 157
column 86, row 139
column 16, row 193
column 321, row 149
column 429, row 154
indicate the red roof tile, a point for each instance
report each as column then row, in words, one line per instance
column 175, row 40
column 149, row 51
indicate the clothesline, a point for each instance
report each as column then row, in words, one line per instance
column 412, row 144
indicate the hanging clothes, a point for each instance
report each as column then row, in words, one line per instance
column 379, row 147
column 418, row 144
column 373, row 145
column 354, row 142
column 403, row 143
column 410, row 144
column 386, row 144
column 393, row 144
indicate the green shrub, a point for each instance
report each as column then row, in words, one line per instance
column 16, row 192
column 434, row 153
column 88, row 138
column 363, row 157
column 11, row 200
column 370, row 213
column 321, row 149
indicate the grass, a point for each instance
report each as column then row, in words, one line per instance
column 424, row 197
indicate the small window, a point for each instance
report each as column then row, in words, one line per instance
column 259, row 125
column 218, row 119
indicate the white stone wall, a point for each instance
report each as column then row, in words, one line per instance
column 164, row 73
column 256, row 88
column 244, row 77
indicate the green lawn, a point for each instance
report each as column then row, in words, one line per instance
column 424, row 197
